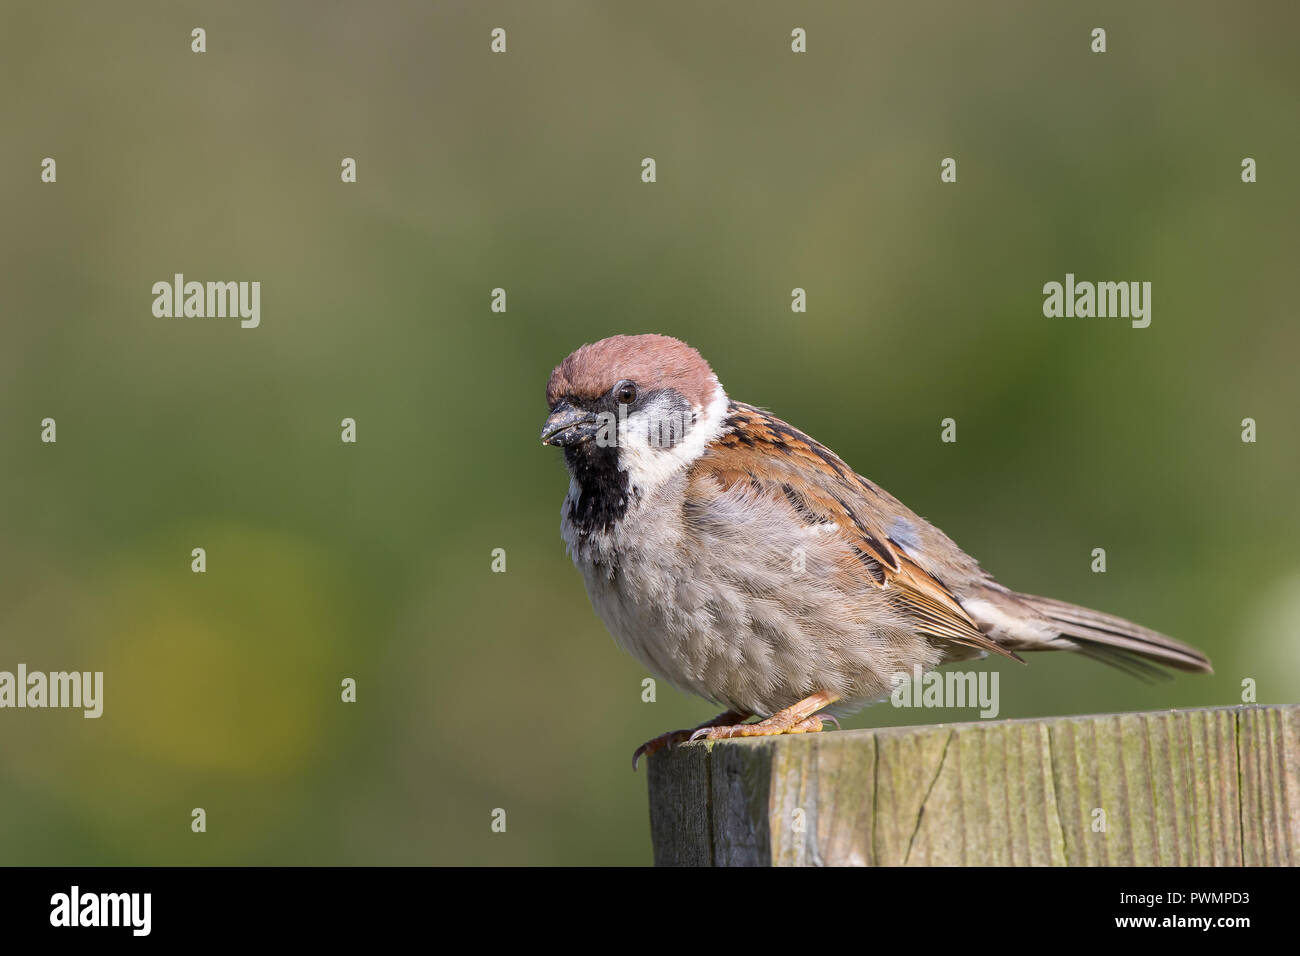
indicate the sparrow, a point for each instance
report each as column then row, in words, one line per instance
column 740, row 560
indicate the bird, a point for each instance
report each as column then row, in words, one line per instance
column 742, row 561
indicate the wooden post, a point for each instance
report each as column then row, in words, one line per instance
column 1217, row 786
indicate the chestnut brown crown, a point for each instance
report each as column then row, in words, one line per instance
column 650, row 361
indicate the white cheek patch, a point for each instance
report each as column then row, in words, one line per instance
column 651, row 452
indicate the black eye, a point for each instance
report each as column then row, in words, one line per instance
column 625, row 393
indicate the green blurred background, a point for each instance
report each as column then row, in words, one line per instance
column 480, row 690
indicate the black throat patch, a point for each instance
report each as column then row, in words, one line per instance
column 602, row 488
column 605, row 491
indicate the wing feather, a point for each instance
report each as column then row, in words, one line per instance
column 777, row 460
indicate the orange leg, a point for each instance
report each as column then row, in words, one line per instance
column 798, row 718
column 680, row 736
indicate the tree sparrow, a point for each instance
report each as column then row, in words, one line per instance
column 737, row 558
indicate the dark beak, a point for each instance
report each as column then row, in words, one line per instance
column 568, row 426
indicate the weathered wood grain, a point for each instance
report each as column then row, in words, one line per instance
column 1213, row 786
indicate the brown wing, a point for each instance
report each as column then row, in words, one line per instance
column 775, row 459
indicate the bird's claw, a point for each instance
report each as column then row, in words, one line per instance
column 657, row 744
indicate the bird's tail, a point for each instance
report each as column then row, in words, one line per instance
column 1116, row 641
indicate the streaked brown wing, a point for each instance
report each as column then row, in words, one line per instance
column 775, row 459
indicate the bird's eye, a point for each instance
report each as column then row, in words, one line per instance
column 625, row 393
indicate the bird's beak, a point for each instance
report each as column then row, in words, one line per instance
column 568, row 426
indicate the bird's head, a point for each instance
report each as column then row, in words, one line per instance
column 646, row 405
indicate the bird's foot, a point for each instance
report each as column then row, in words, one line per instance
column 800, row 718
column 681, row 736
column 809, row 725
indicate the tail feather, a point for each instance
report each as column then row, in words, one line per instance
column 1116, row 641
column 1125, row 661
